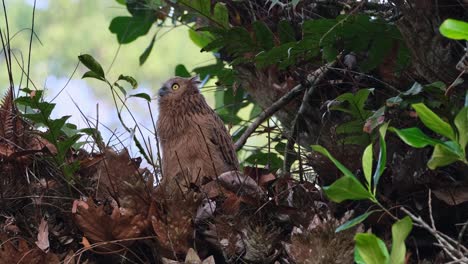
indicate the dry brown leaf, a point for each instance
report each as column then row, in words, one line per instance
column 192, row 257
column 18, row 250
column 452, row 195
column 98, row 226
column 120, row 178
column 266, row 178
column 172, row 221
column 43, row 236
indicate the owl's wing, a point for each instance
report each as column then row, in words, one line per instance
column 217, row 134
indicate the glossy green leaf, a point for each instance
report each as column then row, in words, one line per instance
column 93, row 75
column 129, row 28
column 357, row 258
column 461, row 122
column 442, row 156
column 129, row 79
column 286, row 32
column 329, row 53
column 346, row 188
column 92, row 65
column 221, row 14
column 414, row 137
column 433, row 121
column 144, row 56
column 201, row 38
column 354, row 126
column 376, row 54
column 361, row 140
column 400, row 231
column 371, row 249
column 340, row 166
column 382, row 161
column 353, row 222
column 181, row 71
column 202, row 7
column 367, row 160
column 454, row 29
column 263, row 35
column 142, row 95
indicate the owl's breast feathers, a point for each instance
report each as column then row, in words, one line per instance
column 195, row 143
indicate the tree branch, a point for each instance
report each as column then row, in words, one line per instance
column 313, row 79
column 284, row 100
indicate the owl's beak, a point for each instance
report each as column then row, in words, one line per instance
column 163, row 91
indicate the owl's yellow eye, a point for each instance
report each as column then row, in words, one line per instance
column 175, row 86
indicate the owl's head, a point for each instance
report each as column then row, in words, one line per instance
column 177, row 87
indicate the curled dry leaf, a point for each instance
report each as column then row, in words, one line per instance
column 320, row 244
column 120, row 178
column 18, row 250
column 43, row 236
column 452, row 196
column 99, row 226
column 172, row 221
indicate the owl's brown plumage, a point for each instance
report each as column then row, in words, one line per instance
column 194, row 141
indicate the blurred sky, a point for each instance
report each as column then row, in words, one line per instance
column 68, row 28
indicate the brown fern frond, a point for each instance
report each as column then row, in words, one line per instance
column 12, row 127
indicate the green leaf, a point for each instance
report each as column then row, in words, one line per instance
column 461, row 122
column 442, row 156
column 65, row 145
column 367, row 159
column 371, row 248
column 340, row 166
column 329, row 53
column 400, row 230
column 353, row 222
column 357, row 258
column 350, row 127
column 93, row 75
column 346, row 188
column 201, row 38
column 356, row 104
column 379, row 48
column 57, row 124
column 144, row 56
column 454, row 29
column 286, row 32
column 361, row 140
column 221, row 14
column 142, row 95
column 201, row 6
column 433, row 121
column 122, row 2
column 414, row 137
column 382, row 162
column 116, row 84
column 92, row 65
column 181, row 71
column 129, row 28
column 129, row 79
column 260, row 158
column 263, row 35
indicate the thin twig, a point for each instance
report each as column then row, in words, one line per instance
column 275, row 107
column 313, row 79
